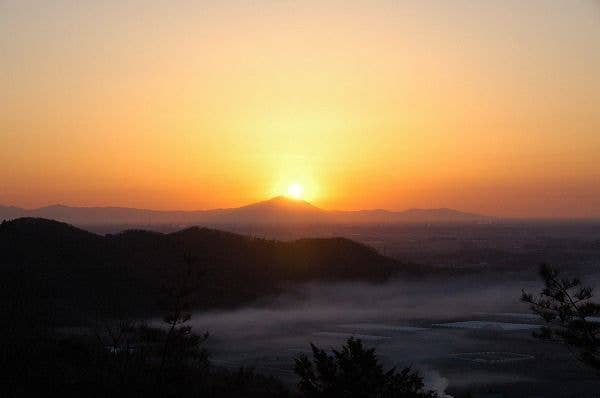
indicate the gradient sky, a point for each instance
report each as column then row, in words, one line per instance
column 485, row 106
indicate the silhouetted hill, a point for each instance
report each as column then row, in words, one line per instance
column 10, row 212
column 84, row 271
column 278, row 210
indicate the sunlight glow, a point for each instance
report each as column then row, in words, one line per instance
column 219, row 104
column 295, row 191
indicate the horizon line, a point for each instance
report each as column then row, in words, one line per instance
column 499, row 218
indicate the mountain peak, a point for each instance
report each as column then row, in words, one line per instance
column 282, row 200
column 278, row 209
column 281, row 205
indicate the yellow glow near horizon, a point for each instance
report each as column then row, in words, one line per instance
column 481, row 106
column 295, row 191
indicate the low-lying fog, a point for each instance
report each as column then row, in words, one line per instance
column 465, row 333
column 408, row 303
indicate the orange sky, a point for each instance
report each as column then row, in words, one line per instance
column 488, row 106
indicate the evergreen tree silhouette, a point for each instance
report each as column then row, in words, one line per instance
column 571, row 317
column 354, row 371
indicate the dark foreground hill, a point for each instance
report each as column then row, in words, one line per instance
column 127, row 272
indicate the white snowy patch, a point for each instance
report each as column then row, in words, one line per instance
column 381, row 326
column 366, row 337
column 488, row 325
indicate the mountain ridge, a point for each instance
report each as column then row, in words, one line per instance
column 277, row 210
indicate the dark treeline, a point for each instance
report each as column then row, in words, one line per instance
column 111, row 357
column 72, row 302
column 85, row 272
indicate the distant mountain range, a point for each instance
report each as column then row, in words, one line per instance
column 278, row 210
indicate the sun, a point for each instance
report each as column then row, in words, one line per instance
column 295, row 191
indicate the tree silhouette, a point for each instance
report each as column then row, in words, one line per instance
column 568, row 312
column 354, row 371
column 180, row 344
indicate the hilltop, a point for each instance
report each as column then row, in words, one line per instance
column 83, row 270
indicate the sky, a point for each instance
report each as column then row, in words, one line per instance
column 484, row 106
